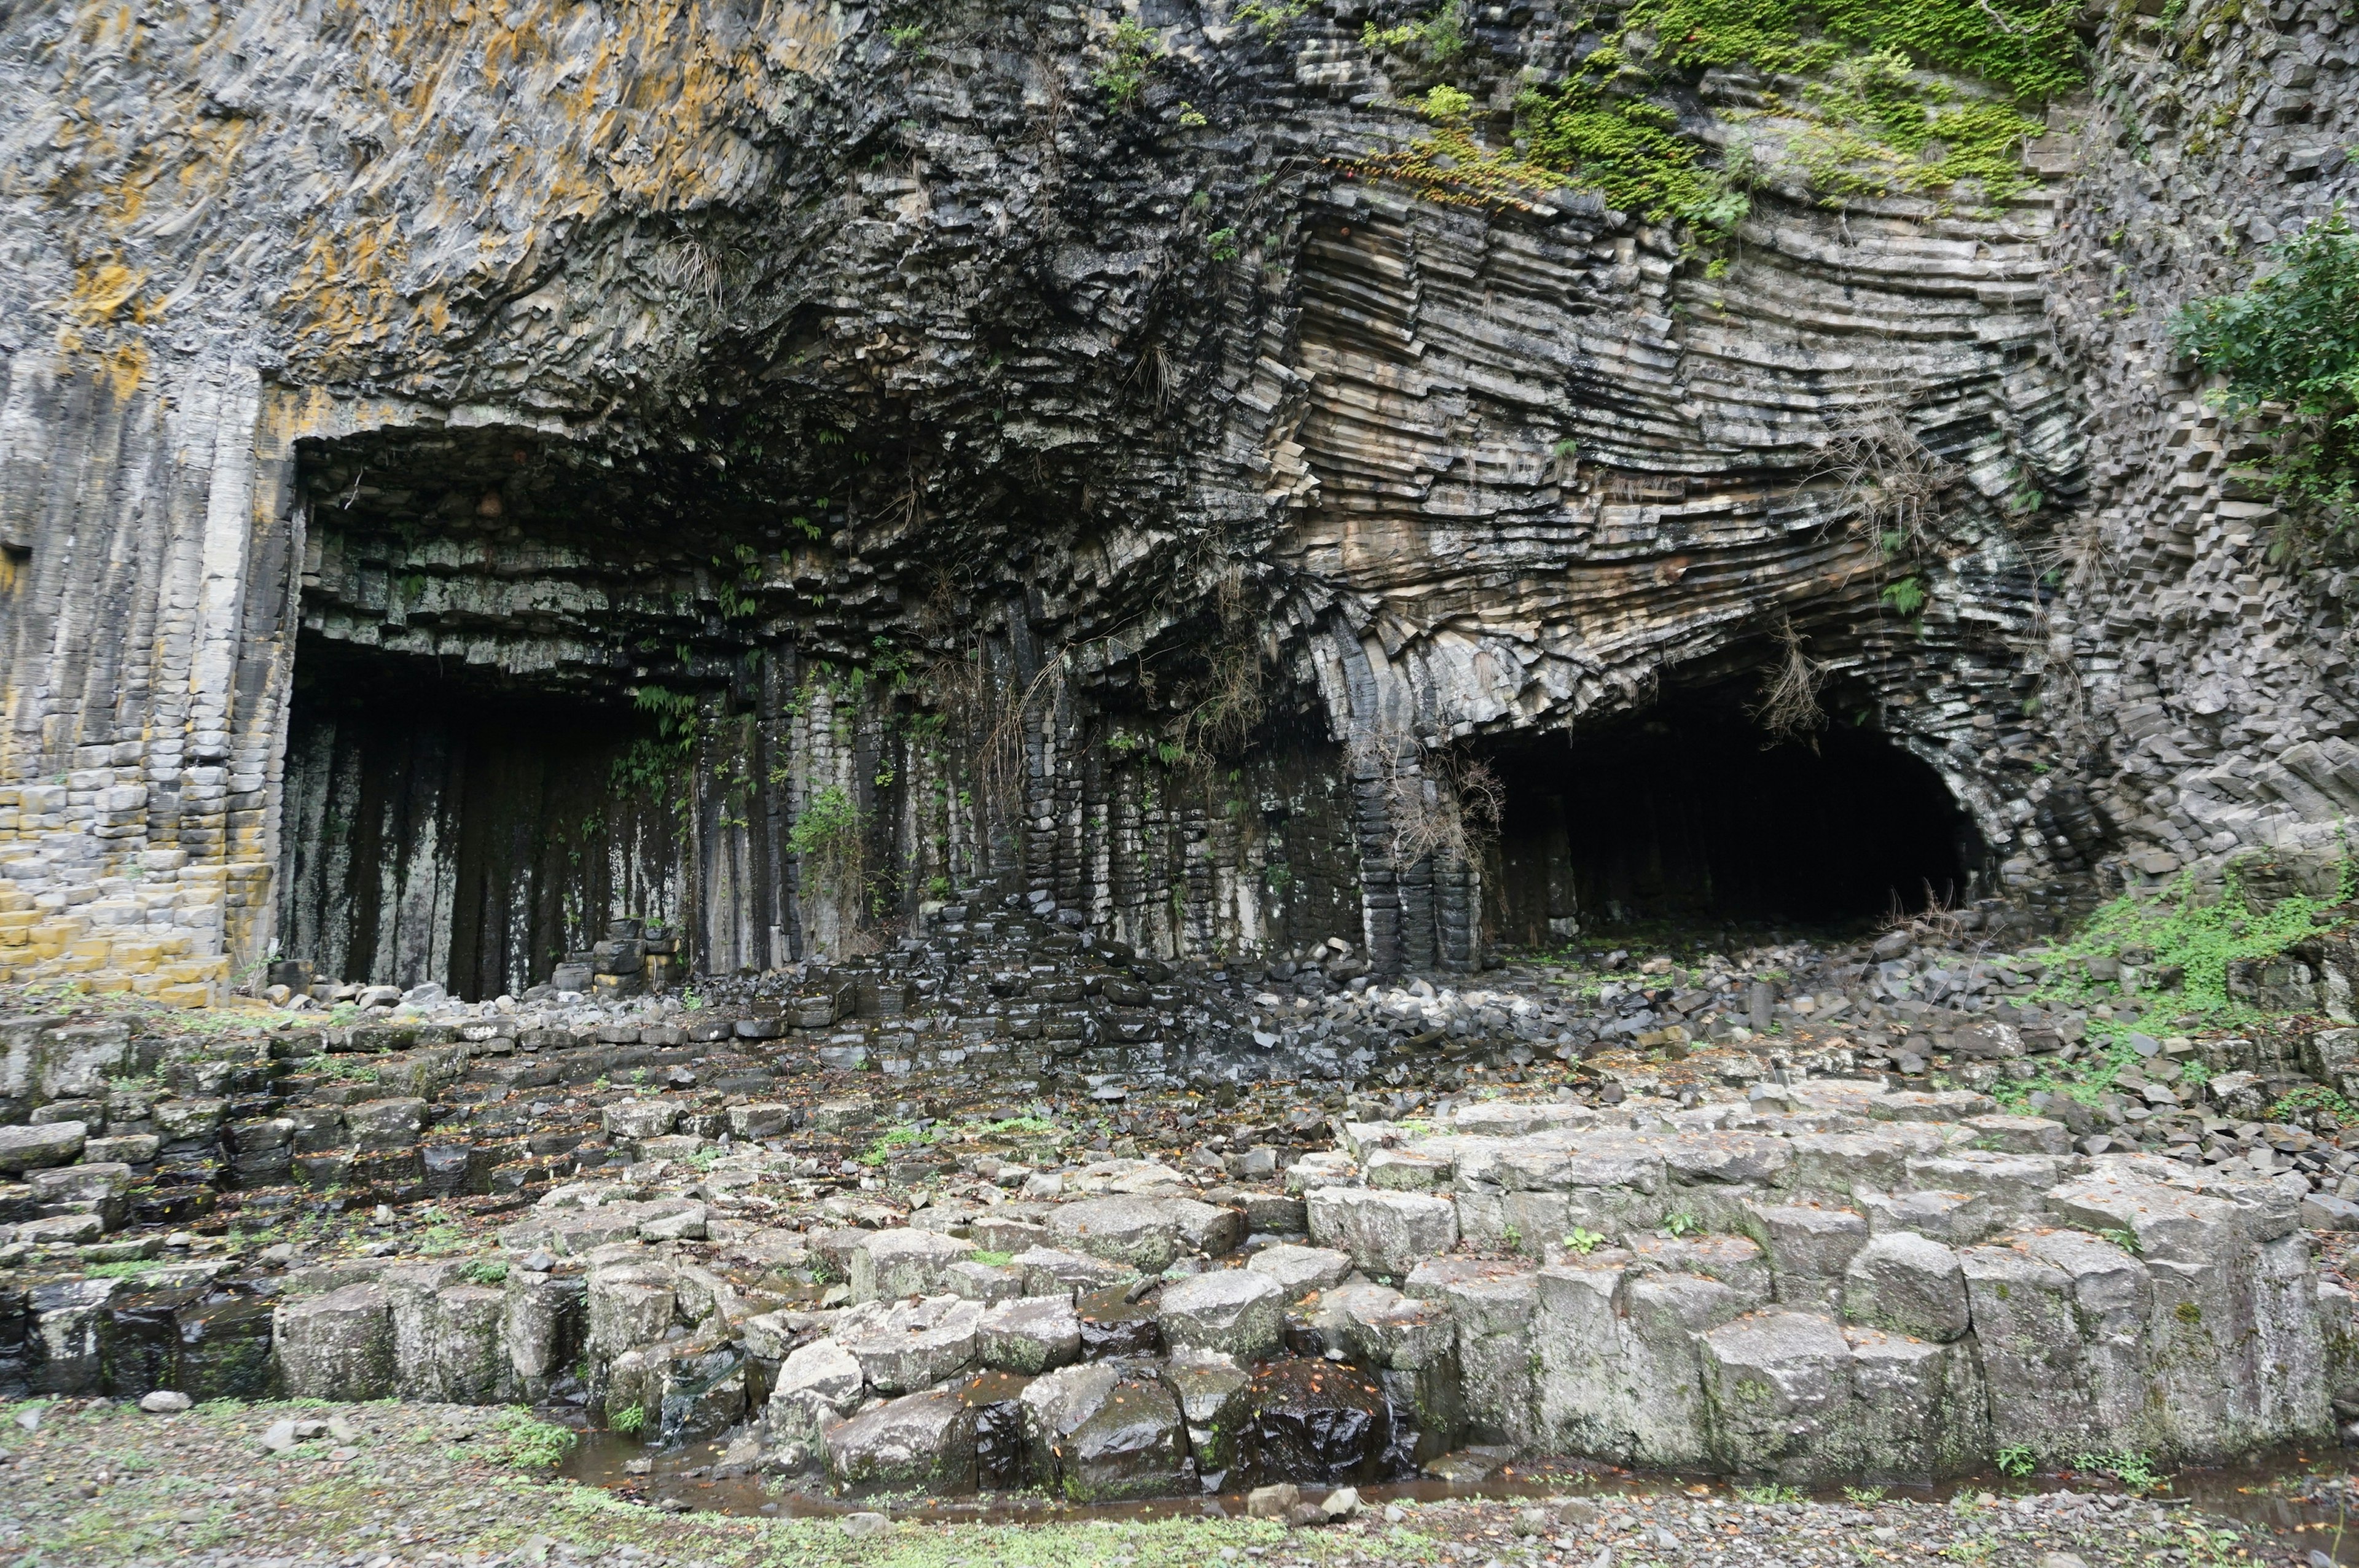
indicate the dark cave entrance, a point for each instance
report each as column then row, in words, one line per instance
column 1689, row 813
column 439, row 828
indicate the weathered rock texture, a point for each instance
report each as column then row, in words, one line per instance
column 928, row 473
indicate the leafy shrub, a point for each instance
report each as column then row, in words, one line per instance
column 2292, row 338
column 1131, row 57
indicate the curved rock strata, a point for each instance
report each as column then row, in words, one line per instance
column 465, row 480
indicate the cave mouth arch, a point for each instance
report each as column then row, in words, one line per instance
column 1689, row 813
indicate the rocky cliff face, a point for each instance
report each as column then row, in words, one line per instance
column 466, row 473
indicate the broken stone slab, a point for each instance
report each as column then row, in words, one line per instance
column 1808, row 1249
column 1049, row 1270
column 1237, row 1312
column 905, row 1346
column 816, row 1386
column 890, row 1263
column 1907, row 1283
column 1216, row 1400
column 2170, row 1223
column 1301, row 1269
column 39, row 1147
column 922, row 1442
column 1030, row 1334
column 983, row 1282
column 650, row 1117
column 1494, row 1304
column 1146, row 1233
column 626, row 1304
column 1096, row 1435
column 1383, row 1233
column 337, row 1346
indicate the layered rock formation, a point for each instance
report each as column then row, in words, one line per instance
column 470, row 475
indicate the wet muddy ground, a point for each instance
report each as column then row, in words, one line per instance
column 101, row 1483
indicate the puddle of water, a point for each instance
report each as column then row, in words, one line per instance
column 2305, row 1498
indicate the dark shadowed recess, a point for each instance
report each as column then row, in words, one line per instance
column 441, row 829
column 1688, row 812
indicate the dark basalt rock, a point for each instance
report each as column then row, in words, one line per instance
column 1320, row 1422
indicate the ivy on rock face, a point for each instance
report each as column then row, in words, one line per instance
column 1852, row 95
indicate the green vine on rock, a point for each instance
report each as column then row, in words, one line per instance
column 1850, row 88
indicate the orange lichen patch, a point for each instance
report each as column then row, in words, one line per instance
column 101, row 292
column 124, row 366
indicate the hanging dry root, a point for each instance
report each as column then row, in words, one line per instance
column 1887, row 478
column 1790, row 708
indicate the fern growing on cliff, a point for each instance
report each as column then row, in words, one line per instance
column 2291, row 339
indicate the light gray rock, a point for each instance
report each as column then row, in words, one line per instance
column 1030, row 1334
column 37, row 1148
column 905, row 1346
column 650, row 1117
column 1301, row 1269
column 1238, row 1312
column 890, row 1263
column 1385, row 1233
column 1907, row 1283
column 337, row 1346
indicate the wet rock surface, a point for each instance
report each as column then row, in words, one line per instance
column 1745, row 1255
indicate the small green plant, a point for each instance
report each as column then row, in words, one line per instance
column 1864, row 1496
column 1443, row 101
column 2135, row 1471
column 1221, row 244
column 2015, row 1459
column 1437, row 40
column 1908, row 596
column 1681, row 1222
column 485, row 1271
column 1769, row 1492
column 1583, row 1241
column 990, row 1259
column 629, row 1421
column 1271, row 17
column 905, row 36
column 1130, row 57
column 2125, row 1240
column 2310, row 1099
column 1512, row 1238
column 524, row 1440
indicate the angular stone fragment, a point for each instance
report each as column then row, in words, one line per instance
column 37, row 1148
column 1030, row 1334
column 1385, row 1233
column 905, row 1346
column 1235, row 1311
column 1905, row 1283
column 924, row 1443
column 1216, row 1401
column 1096, row 1436
column 650, row 1117
column 888, row 1263
column 1300, row 1269
column 338, row 1346
column 1049, row 1271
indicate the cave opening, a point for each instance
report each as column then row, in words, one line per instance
column 444, row 827
column 1689, row 814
